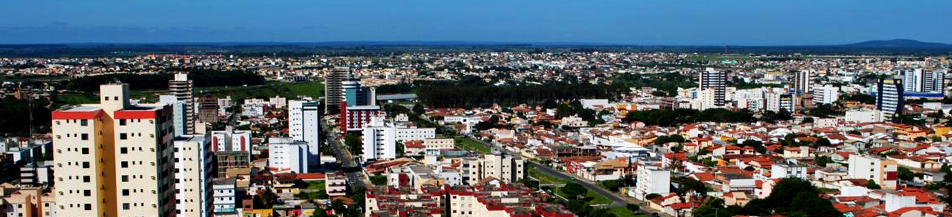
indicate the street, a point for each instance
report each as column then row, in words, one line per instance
column 348, row 166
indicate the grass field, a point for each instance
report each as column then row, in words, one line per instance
column 316, row 185
column 288, row 90
column 622, row 211
column 545, row 179
column 596, row 198
column 468, row 144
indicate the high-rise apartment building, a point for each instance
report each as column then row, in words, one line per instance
column 889, row 98
column 304, row 125
column 194, row 171
column 208, row 109
column 113, row 158
column 777, row 101
column 287, row 155
column 333, row 91
column 827, row 94
column 921, row 81
column 181, row 88
column 716, row 81
column 179, row 117
column 802, row 82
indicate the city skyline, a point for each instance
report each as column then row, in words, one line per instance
column 749, row 23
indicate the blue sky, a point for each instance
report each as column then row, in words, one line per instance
column 639, row 22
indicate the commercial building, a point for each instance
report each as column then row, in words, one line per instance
column 286, row 155
column 715, row 82
column 652, row 180
column 181, row 88
column 304, row 125
column 882, row 171
column 889, row 98
column 193, row 176
column 113, row 158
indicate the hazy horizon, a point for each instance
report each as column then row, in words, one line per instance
column 691, row 23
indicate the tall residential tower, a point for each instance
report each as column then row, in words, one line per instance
column 113, row 158
column 181, row 88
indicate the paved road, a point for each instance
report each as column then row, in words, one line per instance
column 348, row 165
column 616, row 200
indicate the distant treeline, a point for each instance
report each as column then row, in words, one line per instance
column 16, row 120
column 199, row 77
column 679, row 116
column 446, row 96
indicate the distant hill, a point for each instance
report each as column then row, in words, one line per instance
column 898, row 43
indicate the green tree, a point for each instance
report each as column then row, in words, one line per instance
column 378, row 180
column 822, row 160
column 418, row 109
column 265, row 199
column 612, row 185
column 352, row 141
column 872, row 185
column 574, row 190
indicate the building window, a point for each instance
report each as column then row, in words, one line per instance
column 85, row 178
column 125, row 178
column 86, row 164
column 123, row 150
column 87, row 193
column 123, row 136
column 84, row 136
column 124, row 164
column 122, row 122
column 125, row 206
column 85, row 150
column 125, row 192
column 88, row 206
column 83, row 123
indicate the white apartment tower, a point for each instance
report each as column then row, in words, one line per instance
column 179, row 116
column 193, row 176
column 380, row 138
column 652, row 180
column 287, row 155
column 802, row 81
column 113, row 158
column 827, row 94
column 181, row 88
column 304, row 125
